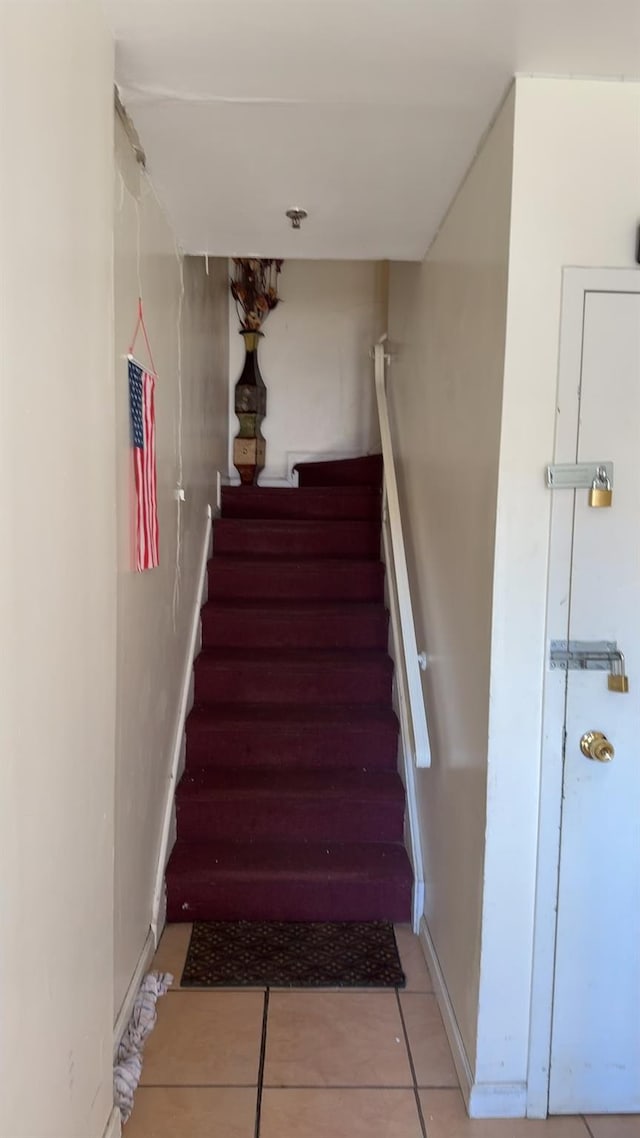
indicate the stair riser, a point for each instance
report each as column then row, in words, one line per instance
column 279, row 899
column 327, row 820
column 296, row 539
column 342, row 472
column 375, row 747
column 341, row 582
column 246, row 683
column 320, row 505
column 224, row 629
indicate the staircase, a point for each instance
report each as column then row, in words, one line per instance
column 291, row 807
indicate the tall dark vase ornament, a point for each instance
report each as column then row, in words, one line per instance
column 254, row 287
column 250, row 408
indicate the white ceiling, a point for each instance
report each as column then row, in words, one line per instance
column 365, row 112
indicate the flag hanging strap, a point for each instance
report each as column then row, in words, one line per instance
column 141, row 324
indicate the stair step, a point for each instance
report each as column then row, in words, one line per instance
column 322, row 503
column 249, row 735
column 329, row 805
column 248, row 675
column 288, row 881
column 278, row 624
column 273, row 579
column 365, row 471
column 283, row 537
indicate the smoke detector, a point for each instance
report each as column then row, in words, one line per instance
column 296, row 216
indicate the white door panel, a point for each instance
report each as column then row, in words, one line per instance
column 595, row 1048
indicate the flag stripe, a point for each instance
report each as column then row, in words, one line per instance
column 143, row 430
column 153, row 510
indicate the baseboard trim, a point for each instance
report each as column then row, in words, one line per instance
column 417, row 903
column 456, row 1043
column 482, row 1100
column 140, row 971
column 183, row 708
column 498, row 1100
column 113, row 1128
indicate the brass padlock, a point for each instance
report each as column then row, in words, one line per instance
column 618, row 679
column 600, row 493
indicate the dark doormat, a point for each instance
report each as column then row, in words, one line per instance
column 281, row 954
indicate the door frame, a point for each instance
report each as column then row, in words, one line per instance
column 576, row 283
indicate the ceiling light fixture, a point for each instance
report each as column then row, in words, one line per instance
column 296, row 216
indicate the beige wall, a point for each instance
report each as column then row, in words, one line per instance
column 57, row 571
column 555, row 184
column 576, row 189
column 315, row 362
column 189, row 340
column 447, row 329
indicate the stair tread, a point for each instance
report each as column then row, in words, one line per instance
column 323, row 503
column 297, row 657
column 355, row 579
column 345, row 715
column 295, row 607
column 294, row 624
column 257, row 559
column 356, row 490
column 313, row 525
column 297, row 537
column 277, row 782
column 261, row 861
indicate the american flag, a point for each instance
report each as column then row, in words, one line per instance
column 143, row 440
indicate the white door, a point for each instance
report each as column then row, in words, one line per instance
column 595, row 1038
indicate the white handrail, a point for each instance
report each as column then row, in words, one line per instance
column 401, row 610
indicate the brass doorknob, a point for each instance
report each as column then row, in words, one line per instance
column 596, row 746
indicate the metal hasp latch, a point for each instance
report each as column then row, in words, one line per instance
column 596, row 477
column 591, row 656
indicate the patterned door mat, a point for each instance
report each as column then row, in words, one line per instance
column 280, row 954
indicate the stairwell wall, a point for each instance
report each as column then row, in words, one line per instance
column 475, row 387
column 447, row 319
column 186, row 313
column 315, row 363
column 57, row 570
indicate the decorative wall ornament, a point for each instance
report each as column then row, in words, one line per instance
column 254, row 287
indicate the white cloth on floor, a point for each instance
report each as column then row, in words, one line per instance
column 128, row 1066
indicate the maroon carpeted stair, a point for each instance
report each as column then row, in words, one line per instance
column 291, row 806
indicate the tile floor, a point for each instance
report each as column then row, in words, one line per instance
column 314, row 1064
